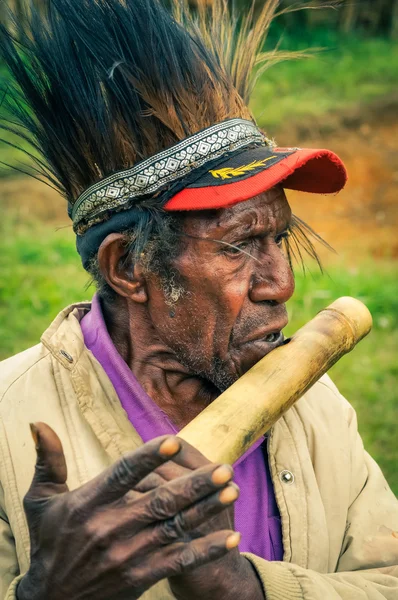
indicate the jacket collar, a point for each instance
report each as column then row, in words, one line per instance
column 64, row 337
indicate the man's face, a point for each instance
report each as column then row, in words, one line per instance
column 236, row 280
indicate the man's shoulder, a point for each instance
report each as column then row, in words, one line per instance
column 35, row 365
column 326, row 387
column 24, row 364
column 323, row 402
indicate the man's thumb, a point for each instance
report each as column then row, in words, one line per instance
column 50, row 463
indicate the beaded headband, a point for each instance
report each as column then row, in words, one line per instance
column 148, row 177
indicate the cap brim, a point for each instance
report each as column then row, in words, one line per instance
column 254, row 171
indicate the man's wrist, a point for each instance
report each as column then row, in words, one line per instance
column 250, row 581
column 239, row 581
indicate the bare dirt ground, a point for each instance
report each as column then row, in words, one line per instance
column 363, row 218
column 360, row 220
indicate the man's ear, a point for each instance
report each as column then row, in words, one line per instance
column 127, row 280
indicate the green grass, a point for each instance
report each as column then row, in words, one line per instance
column 347, row 71
column 41, row 274
column 367, row 376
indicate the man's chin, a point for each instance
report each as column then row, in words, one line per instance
column 222, row 376
column 224, row 373
column 251, row 353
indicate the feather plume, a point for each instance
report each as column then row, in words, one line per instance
column 97, row 85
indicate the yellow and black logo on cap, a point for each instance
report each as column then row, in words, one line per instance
column 230, row 172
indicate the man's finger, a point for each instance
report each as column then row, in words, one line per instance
column 212, row 505
column 188, row 459
column 169, row 499
column 127, row 472
column 162, row 475
column 179, row 527
column 181, row 557
column 203, row 550
column 175, row 508
column 150, row 482
column 50, row 470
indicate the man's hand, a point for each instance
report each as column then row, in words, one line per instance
column 227, row 578
column 108, row 541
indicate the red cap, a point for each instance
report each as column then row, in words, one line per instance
column 255, row 170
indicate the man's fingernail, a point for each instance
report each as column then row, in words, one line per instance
column 169, row 447
column 35, row 434
column 229, row 494
column 222, row 474
column 233, row 540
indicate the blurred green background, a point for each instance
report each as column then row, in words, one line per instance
column 345, row 98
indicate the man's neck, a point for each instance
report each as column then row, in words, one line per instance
column 179, row 393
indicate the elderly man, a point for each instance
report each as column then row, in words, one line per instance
column 179, row 207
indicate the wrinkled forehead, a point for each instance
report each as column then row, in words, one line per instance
column 270, row 210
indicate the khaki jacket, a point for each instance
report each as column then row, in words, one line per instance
column 339, row 517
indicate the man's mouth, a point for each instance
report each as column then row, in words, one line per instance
column 268, row 342
column 255, row 348
column 258, row 347
column 273, row 337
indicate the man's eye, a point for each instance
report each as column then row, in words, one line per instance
column 281, row 237
column 235, row 249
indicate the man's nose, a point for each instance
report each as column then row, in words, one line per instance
column 273, row 279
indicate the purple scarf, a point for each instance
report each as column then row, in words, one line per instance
column 256, row 513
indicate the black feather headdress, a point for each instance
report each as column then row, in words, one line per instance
column 97, row 85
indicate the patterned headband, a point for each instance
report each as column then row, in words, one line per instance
column 148, row 177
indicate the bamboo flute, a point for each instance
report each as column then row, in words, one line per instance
column 249, row 408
